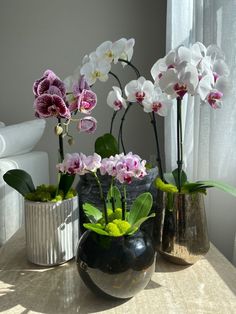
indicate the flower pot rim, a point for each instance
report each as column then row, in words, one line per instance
column 50, row 202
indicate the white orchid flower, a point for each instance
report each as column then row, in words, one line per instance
column 158, row 103
column 139, row 90
column 95, row 69
column 172, row 60
column 128, row 50
column 110, row 51
column 205, row 86
column 162, row 65
column 115, row 99
column 176, row 82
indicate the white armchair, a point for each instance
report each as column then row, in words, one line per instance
column 16, row 144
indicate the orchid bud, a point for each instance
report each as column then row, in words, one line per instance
column 87, row 124
column 58, row 129
column 71, row 141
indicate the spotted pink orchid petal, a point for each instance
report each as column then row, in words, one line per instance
column 87, row 101
column 73, row 164
column 47, row 105
column 49, row 84
column 78, row 163
column 124, row 167
column 87, row 125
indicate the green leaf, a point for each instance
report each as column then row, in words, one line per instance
column 219, row 185
column 96, row 228
column 66, row 181
column 138, row 223
column 140, row 207
column 19, row 180
column 183, row 177
column 116, row 196
column 106, row 145
column 93, row 213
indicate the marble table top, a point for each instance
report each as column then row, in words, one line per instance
column 209, row 286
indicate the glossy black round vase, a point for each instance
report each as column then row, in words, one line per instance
column 116, row 267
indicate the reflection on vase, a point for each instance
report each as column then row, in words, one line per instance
column 116, row 267
column 184, row 236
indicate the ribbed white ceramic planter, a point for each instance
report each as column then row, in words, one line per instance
column 51, row 231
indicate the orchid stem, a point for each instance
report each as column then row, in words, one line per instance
column 158, row 159
column 132, row 66
column 102, row 198
column 115, row 112
column 61, row 148
column 123, row 202
column 120, row 136
column 179, row 143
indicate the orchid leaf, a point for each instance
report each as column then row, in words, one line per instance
column 93, row 213
column 96, row 228
column 115, row 193
column 19, row 180
column 138, row 223
column 66, row 181
column 219, row 185
column 168, row 176
column 183, row 177
column 140, row 207
column 106, row 146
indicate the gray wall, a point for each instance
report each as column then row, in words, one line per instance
column 36, row 35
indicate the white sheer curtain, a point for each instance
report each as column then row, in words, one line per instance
column 209, row 135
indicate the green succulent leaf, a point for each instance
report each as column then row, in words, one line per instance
column 93, row 213
column 96, row 228
column 140, row 207
column 19, row 180
column 115, row 192
column 219, row 185
column 65, row 183
column 106, row 145
column 138, row 223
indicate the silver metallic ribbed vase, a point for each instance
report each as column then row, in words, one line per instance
column 184, row 236
column 51, row 231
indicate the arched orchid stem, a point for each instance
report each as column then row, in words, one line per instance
column 102, row 198
column 120, row 136
column 112, row 121
column 61, row 148
column 132, row 66
column 115, row 112
column 179, row 142
column 158, row 159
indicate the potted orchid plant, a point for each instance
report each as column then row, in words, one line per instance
column 98, row 65
column 51, row 211
column 114, row 248
column 196, row 71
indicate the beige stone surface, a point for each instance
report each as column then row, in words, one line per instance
column 209, row 286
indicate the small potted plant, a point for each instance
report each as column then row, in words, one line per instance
column 114, row 258
column 51, row 211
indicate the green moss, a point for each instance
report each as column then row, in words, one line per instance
column 48, row 193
